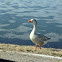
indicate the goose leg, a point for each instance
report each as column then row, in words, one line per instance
column 35, row 46
column 40, row 46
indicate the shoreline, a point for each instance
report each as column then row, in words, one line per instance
column 31, row 49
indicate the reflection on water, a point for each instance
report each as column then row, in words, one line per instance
column 14, row 16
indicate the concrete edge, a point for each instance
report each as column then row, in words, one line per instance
column 41, row 55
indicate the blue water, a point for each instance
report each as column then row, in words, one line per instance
column 14, row 25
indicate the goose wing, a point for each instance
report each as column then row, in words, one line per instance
column 44, row 38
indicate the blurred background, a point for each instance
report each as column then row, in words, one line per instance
column 14, row 25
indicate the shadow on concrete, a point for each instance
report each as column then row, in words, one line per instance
column 4, row 60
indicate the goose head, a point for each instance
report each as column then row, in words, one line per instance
column 33, row 21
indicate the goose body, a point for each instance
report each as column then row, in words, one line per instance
column 35, row 38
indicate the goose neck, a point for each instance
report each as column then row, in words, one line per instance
column 34, row 28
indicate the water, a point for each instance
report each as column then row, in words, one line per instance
column 14, row 25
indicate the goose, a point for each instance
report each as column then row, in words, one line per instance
column 36, row 38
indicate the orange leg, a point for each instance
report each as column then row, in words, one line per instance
column 35, row 46
column 40, row 46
